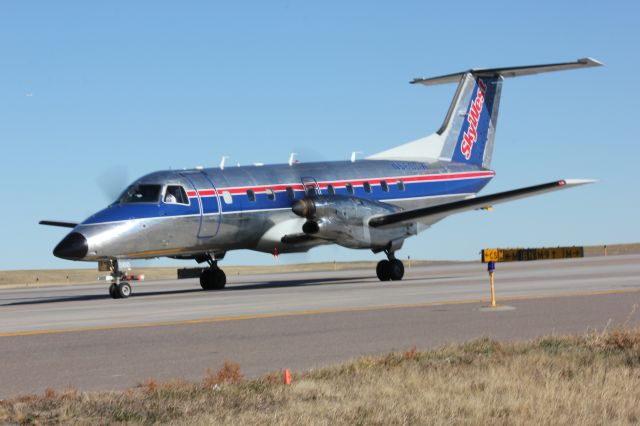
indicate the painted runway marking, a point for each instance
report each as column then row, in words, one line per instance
column 311, row 312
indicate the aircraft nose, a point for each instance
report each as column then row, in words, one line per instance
column 73, row 247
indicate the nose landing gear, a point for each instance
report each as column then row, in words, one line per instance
column 391, row 269
column 120, row 291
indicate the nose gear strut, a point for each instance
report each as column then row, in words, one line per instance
column 118, row 289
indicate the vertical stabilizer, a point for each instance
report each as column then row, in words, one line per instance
column 470, row 126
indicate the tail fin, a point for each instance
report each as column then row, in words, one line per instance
column 470, row 126
column 467, row 133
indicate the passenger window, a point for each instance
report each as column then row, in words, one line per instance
column 384, row 186
column 251, row 195
column 349, row 188
column 366, row 186
column 226, row 196
column 175, row 194
column 400, row 185
column 331, row 190
column 291, row 193
column 271, row 195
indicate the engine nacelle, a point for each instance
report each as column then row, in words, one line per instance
column 344, row 220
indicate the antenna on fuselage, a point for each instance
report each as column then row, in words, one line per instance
column 222, row 160
column 353, row 155
column 292, row 159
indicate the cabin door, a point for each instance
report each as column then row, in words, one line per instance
column 209, row 202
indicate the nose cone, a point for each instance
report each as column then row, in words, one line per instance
column 73, row 247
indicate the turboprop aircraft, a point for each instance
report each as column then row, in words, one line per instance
column 375, row 203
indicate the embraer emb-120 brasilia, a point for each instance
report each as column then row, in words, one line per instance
column 374, row 204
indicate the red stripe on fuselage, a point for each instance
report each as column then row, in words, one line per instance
column 342, row 183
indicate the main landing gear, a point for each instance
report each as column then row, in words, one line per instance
column 391, row 269
column 212, row 278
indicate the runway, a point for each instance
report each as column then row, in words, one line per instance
column 77, row 336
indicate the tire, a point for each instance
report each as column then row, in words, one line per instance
column 206, row 279
column 113, row 291
column 383, row 270
column 124, row 290
column 213, row 279
column 396, row 269
column 220, row 279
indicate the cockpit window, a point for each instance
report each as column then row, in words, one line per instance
column 141, row 193
column 175, row 194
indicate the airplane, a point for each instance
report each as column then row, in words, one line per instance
column 375, row 203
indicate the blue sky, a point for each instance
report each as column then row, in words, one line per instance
column 96, row 94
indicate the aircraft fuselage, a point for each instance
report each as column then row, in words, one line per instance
column 249, row 207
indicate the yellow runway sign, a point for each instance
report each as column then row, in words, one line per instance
column 522, row 254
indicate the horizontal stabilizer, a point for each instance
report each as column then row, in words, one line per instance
column 442, row 210
column 55, row 223
column 509, row 71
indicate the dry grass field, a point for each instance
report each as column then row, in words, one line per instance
column 592, row 379
column 611, row 250
column 42, row 277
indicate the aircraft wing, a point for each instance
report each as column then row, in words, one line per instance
column 434, row 213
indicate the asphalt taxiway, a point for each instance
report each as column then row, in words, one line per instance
column 78, row 336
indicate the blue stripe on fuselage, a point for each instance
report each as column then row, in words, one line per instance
column 241, row 202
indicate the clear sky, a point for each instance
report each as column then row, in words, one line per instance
column 96, row 94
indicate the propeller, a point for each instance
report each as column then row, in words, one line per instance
column 112, row 181
column 307, row 154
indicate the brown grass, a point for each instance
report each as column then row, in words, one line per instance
column 587, row 379
column 43, row 277
column 229, row 373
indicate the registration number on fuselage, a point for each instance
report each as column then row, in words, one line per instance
column 408, row 165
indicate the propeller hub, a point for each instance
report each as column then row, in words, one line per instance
column 304, row 208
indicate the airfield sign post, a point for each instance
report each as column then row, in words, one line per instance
column 491, row 267
column 491, row 256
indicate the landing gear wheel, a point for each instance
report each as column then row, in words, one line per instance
column 113, row 291
column 213, row 279
column 383, row 270
column 396, row 270
column 390, row 270
column 124, row 290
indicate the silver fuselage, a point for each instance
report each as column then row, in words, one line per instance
column 221, row 215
